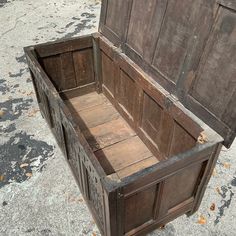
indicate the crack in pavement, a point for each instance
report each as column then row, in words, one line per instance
column 17, row 20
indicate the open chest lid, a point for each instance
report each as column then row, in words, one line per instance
column 187, row 46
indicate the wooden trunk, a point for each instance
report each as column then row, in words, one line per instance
column 139, row 156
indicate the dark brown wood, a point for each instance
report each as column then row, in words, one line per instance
column 78, row 91
column 62, row 46
column 218, row 95
column 97, row 62
column 187, row 47
column 139, row 156
column 84, row 67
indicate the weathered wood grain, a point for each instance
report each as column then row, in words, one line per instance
column 133, row 148
column 187, row 47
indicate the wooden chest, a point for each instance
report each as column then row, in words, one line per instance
column 131, row 107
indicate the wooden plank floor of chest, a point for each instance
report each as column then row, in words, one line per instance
column 131, row 107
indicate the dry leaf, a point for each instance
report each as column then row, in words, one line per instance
column 2, row 113
column 214, row 173
column 201, row 220
column 94, row 234
column 30, row 93
column 213, row 207
column 24, row 165
column 72, row 198
column 162, row 227
column 226, row 165
column 202, row 138
column 28, row 174
column 33, row 112
column 218, row 190
column 1, row 177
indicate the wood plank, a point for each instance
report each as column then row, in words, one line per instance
column 129, row 170
column 122, row 154
column 62, row 46
column 87, row 101
column 95, row 116
column 78, row 91
column 108, row 133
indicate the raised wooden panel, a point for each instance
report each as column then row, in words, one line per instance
column 68, row 71
column 144, row 26
column 128, row 95
column 108, row 73
column 83, row 64
column 115, row 17
column 180, row 187
column 151, row 117
column 157, row 124
column 181, row 141
column 139, row 208
column 52, row 66
column 215, row 83
column 177, row 31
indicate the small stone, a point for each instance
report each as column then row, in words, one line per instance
column 4, row 203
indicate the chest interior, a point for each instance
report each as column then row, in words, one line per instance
column 129, row 121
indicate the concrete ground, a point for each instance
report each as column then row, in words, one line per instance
column 38, row 195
